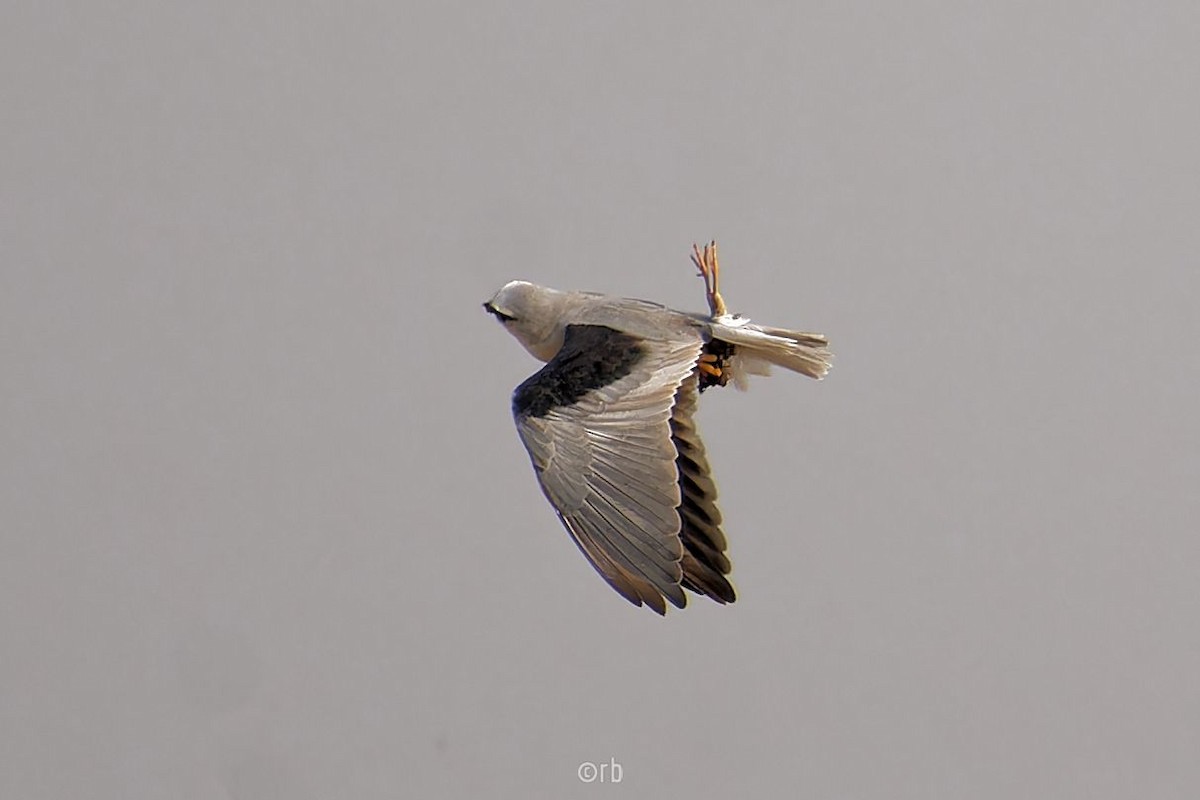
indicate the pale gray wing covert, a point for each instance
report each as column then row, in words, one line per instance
column 596, row 423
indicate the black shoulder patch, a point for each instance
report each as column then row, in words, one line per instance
column 592, row 356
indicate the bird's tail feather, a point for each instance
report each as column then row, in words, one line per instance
column 806, row 353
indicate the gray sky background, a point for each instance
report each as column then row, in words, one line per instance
column 268, row 532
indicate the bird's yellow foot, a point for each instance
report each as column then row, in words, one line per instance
column 713, row 365
column 706, row 262
column 709, row 365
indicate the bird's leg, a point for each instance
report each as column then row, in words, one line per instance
column 706, row 262
column 712, row 366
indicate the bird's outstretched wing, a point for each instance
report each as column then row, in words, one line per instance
column 596, row 421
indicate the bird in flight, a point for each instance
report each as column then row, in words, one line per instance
column 608, row 423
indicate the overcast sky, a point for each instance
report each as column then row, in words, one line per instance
column 266, row 528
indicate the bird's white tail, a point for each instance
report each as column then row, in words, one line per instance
column 806, row 353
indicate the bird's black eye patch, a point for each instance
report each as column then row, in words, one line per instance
column 497, row 313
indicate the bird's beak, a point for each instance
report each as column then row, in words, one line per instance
column 497, row 313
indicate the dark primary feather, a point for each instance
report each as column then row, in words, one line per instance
column 705, row 564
